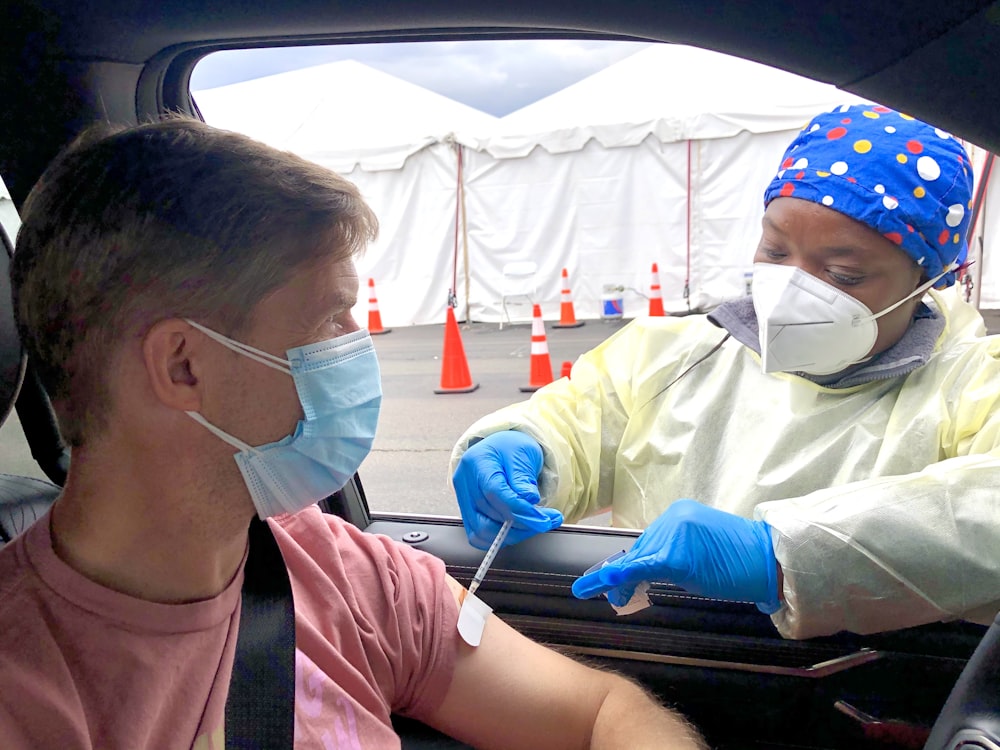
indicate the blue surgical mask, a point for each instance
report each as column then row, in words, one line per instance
column 340, row 390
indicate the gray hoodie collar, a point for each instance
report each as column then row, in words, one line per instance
column 913, row 350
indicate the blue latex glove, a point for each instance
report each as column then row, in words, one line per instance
column 497, row 479
column 702, row 550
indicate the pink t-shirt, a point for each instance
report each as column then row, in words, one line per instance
column 82, row 666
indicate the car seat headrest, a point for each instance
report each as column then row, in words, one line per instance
column 12, row 358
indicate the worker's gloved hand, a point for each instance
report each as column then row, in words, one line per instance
column 702, row 550
column 497, row 479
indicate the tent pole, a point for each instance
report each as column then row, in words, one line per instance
column 465, row 233
column 977, row 285
column 978, row 211
column 453, row 289
column 687, row 270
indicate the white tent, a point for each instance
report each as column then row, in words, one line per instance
column 661, row 157
column 672, row 92
column 394, row 140
column 344, row 113
column 983, row 251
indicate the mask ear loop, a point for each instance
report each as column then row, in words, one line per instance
column 246, row 350
column 920, row 290
column 222, row 435
column 258, row 355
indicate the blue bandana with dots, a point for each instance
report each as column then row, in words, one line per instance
column 910, row 182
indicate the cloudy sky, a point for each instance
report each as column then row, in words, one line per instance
column 496, row 77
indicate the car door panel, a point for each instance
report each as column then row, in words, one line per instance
column 698, row 654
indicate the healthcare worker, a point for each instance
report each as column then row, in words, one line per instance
column 826, row 448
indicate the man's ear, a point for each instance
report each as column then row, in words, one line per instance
column 167, row 351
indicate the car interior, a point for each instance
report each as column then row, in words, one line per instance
column 65, row 65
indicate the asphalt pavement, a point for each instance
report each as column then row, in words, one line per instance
column 407, row 470
column 408, row 467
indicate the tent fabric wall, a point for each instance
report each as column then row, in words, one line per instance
column 729, row 176
column 411, row 259
column 989, row 258
column 607, row 215
column 347, row 116
column 985, row 248
column 601, row 213
column 596, row 178
column 623, row 201
column 984, row 271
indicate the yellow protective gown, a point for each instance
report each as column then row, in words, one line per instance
column 883, row 498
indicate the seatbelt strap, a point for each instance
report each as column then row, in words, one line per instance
column 260, row 707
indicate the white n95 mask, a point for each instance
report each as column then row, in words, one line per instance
column 340, row 390
column 807, row 325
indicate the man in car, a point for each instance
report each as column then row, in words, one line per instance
column 826, row 449
column 185, row 294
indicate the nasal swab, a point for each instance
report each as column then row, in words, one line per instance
column 490, row 554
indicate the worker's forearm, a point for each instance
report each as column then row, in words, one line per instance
column 630, row 719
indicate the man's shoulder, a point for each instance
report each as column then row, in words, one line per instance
column 9, row 565
column 329, row 559
column 21, row 618
column 14, row 574
column 327, row 538
column 312, row 526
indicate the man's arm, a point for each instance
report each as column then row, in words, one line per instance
column 512, row 692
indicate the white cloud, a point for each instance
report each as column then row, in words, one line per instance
column 494, row 76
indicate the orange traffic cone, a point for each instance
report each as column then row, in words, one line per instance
column 374, row 318
column 567, row 317
column 655, row 295
column 455, row 377
column 567, row 368
column 541, row 365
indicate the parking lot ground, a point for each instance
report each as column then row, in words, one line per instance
column 408, row 467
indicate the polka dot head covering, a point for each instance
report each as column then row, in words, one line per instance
column 910, row 182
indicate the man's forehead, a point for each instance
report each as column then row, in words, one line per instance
column 326, row 280
column 312, row 292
